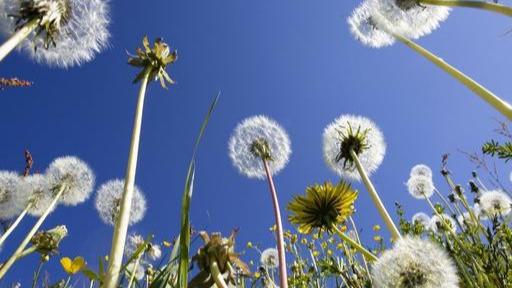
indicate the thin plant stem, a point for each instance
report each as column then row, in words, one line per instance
column 502, row 106
column 7, row 265
column 279, row 228
column 121, row 227
column 445, row 201
column 369, row 255
column 36, row 274
column 395, row 234
column 27, row 252
column 493, row 7
column 17, row 38
column 134, row 270
column 359, row 241
column 14, row 224
column 217, row 276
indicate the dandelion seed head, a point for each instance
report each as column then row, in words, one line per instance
column 269, row 258
column 365, row 30
column 495, row 203
column 421, row 218
column 359, row 134
column 137, row 269
column 133, row 242
column 420, row 187
column 442, row 223
column 256, row 135
column 421, row 170
column 78, row 28
column 74, row 176
column 39, row 193
column 406, row 17
column 12, row 199
column 154, row 252
column 108, row 202
column 414, row 262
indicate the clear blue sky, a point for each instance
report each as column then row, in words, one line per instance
column 292, row 60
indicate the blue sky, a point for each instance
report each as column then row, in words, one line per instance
column 294, row 61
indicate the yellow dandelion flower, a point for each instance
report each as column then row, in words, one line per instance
column 72, row 266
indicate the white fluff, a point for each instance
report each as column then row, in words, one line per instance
column 255, row 128
column 370, row 158
column 421, row 170
column 494, row 203
column 420, row 186
column 421, row 218
column 269, row 258
column 437, row 226
column 12, row 199
column 365, row 30
column 40, row 194
column 415, row 262
column 108, row 202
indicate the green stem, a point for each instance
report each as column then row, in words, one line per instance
column 27, row 252
column 493, row 7
column 134, row 270
column 17, row 38
column 37, row 225
column 502, row 106
column 395, row 234
column 36, row 274
column 217, row 276
column 358, row 239
column 367, row 254
column 121, row 227
column 14, row 224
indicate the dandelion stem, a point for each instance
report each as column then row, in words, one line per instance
column 217, row 276
column 502, row 106
column 121, row 227
column 493, row 7
column 367, row 254
column 134, row 270
column 32, row 232
column 17, row 37
column 14, row 224
column 358, row 239
column 36, row 274
column 279, row 228
column 395, row 234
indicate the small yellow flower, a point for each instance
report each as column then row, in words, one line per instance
column 273, row 228
column 72, row 266
column 249, row 244
column 315, row 253
column 167, row 244
column 304, row 241
column 257, row 275
column 376, row 228
column 377, row 238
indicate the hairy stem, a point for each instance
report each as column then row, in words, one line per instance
column 121, row 227
column 279, row 228
column 17, row 38
column 502, row 106
column 395, row 234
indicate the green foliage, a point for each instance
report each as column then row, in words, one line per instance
column 502, row 151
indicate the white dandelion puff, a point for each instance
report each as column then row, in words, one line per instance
column 421, row 170
column 69, row 32
column 465, row 218
column 406, row 17
column 364, row 29
column 135, row 241
column 420, row 187
column 415, row 262
column 74, row 176
column 137, row 269
column 442, row 223
column 108, row 202
column 12, row 199
column 269, row 258
column 421, row 218
column 254, row 130
column 40, row 194
column 154, row 251
column 357, row 133
column 494, row 203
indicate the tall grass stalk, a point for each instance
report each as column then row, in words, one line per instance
column 489, row 6
column 14, row 224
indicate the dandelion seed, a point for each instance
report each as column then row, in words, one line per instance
column 135, row 269
column 407, row 17
column 494, row 203
column 364, row 29
column 244, row 143
column 420, row 187
column 74, row 175
column 269, row 258
column 66, row 32
column 356, row 133
column 108, row 201
column 12, row 201
column 135, row 241
column 40, row 194
column 414, row 262
column 442, row 223
column 421, row 218
column 421, row 170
